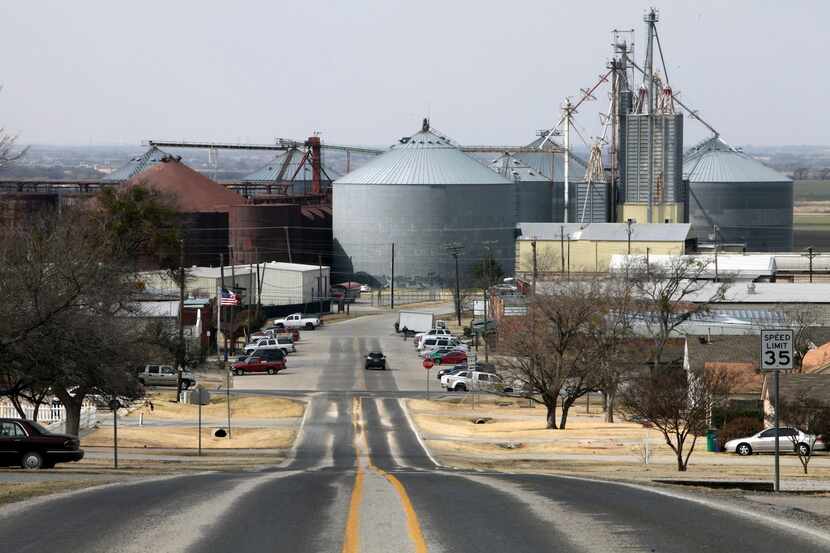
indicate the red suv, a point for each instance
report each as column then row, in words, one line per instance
column 28, row 444
column 254, row 364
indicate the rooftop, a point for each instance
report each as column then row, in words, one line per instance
column 425, row 158
column 734, row 266
column 768, row 292
column 606, row 232
column 738, row 355
column 714, row 160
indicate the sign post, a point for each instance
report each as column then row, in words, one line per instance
column 428, row 364
column 777, row 355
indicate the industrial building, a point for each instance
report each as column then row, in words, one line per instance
column 419, row 197
column 580, row 248
column 289, row 173
column 735, row 199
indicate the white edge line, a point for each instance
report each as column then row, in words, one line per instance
column 417, row 434
column 292, row 454
column 788, row 525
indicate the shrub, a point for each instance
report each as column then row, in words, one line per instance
column 739, row 427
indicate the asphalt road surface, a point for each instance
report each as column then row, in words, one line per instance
column 359, row 480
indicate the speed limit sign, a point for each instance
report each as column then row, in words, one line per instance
column 776, row 349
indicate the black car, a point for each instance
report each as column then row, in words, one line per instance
column 448, row 370
column 375, row 359
column 28, row 444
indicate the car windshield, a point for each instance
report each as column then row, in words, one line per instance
column 376, row 354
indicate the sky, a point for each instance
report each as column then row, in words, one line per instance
column 367, row 71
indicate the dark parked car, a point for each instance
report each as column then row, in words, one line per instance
column 28, row 444
column 376, row 359
column 255, row 364
column 450, row 370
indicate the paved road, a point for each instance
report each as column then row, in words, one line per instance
column 359, row 480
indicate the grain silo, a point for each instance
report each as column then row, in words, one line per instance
column 587, row 204
column 421, row 195
column 751, row 204
column 291, row 171
column 534, row 191
column 153, row 156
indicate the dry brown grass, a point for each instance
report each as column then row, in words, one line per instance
column 246, row 407
column 174, row 437
column 19, row 491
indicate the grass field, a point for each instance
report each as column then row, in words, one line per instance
column 811, row 190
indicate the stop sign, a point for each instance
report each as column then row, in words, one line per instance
column 428, row 363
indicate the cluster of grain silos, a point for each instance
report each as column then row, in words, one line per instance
column 422, row 195
column 751, row 204
column 290, row 170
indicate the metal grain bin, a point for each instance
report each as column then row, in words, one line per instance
column 421, row 195
column 751, row 203
column 534, row 191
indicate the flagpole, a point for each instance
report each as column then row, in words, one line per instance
column 218, row 318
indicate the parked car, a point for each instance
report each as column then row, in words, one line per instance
column 474, row 380
column 429, row 334
column 255, row 364
column 273, row 331
column 297, row 320
column 28, row 444
column 164, row 375
column 365, row 288
column 440, row 341
column 450, row 357
column 789, row 439
column 450, row 370
column 269, row 354
column 375, row 359
column 272, row 343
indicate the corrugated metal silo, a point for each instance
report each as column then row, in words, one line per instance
column 421, row 195
column 751, row 203
column 534, row 191
column 552, row 166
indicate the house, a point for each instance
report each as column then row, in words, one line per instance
column 815, row 386
column 738, row 356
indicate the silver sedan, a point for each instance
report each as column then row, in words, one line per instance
column 790, row 439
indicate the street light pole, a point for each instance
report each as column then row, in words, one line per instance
column 455, row 249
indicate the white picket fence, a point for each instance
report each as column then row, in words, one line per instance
column 51, row 415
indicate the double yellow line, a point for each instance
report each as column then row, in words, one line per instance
column 351, row 541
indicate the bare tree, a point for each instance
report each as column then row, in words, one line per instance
column 550, row 351
column 668, row 295
column 810, row 415
column 675, row 402
column 612, row 340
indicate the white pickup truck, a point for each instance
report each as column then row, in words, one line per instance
column 296, row 320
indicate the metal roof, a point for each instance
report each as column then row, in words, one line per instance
column 293, row 157
column 767, row 292
column 136, row 165
column 729, row 265
column 423, row 158
column 541, row 162
column 801, row 263
column 512, row 168
column 714, row 160
column 607, row 232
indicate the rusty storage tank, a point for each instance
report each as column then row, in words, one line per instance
column 203, row 206
column 421, row 195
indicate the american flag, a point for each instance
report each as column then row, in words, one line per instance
column 228, row 297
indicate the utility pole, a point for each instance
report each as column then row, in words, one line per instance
column 320, row 281
column 717, row 243
column 810, row 254
column 562, row 247
column 219, row 308
column 535, row 273
column 568, row 271
column 455, row 249
column 233, row 289
column 180, row 346
column 392, row 289
column 288, row 244
column 568, row 109
column 628, row 230
column 488, row 247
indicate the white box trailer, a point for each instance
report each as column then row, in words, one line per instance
column 414, row 321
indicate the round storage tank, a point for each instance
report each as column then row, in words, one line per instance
column 421, row 195
column 552, row 166
column 751, row 204
column 534, row 191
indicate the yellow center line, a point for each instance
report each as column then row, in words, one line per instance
column 351, row 540
column 413, row 526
